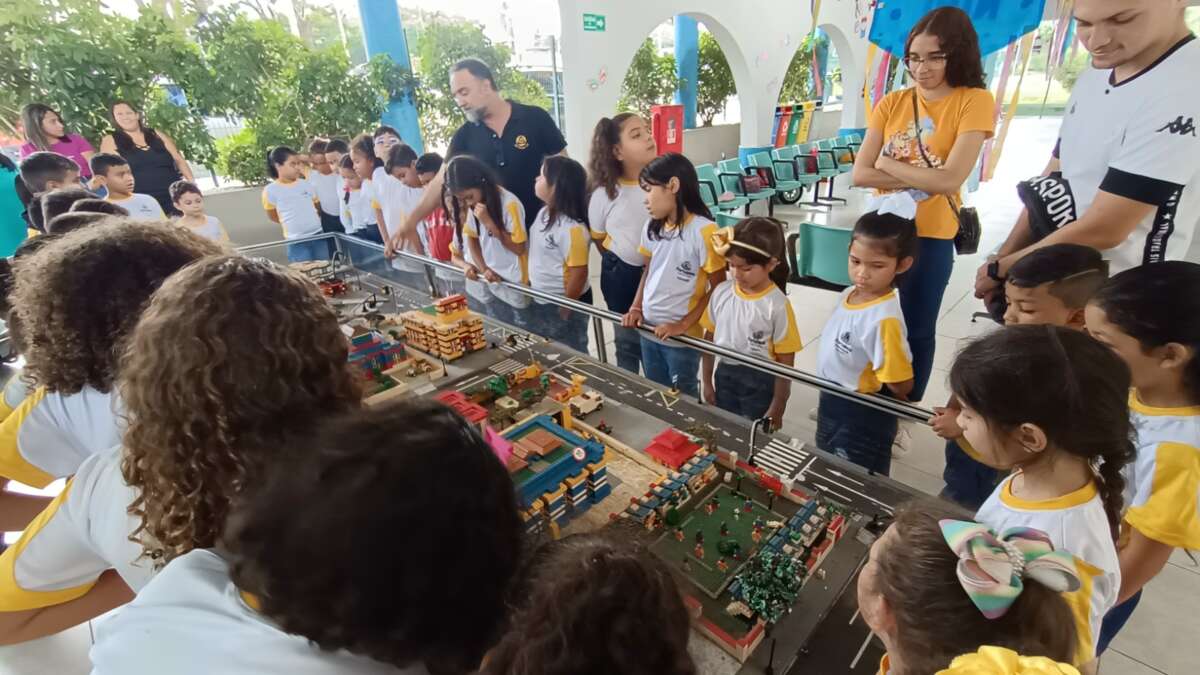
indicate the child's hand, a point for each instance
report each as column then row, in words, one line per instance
column 709, row 393
column 669, row 330
column 389, row 250
column 491, row 276
column 482, row 215
column 945, row 423
column 472, row 273
column 632, row 318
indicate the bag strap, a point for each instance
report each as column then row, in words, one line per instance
column 921, row 146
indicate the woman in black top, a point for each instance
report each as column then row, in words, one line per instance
column 152, row 155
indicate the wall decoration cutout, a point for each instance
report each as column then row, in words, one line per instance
column 599, row 80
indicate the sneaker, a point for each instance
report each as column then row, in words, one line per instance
column 903, row 441
column 812, row 414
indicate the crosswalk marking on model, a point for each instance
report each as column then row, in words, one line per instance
column 506, row 366
column 780, row 458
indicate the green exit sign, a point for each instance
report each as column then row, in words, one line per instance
column 594, row 23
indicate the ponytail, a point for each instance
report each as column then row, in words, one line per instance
column 604, row 167
column 275, row 156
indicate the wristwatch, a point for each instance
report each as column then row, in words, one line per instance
column 993, row 270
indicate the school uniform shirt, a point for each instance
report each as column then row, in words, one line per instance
column 941, row 122
column 396, row 200
column 511, row 267
column 864, row 346
column 1163, row 483
column 1076, row 524
column 192, row 620
column 212, row 229
column 49, row 434
column 296, row 204
column 140, row 207
column 357, row 213
column 83, row 532
column 1138, row 139
column 553, row 250
column 327, row 191
column 15, row 391
column 480, row 290
column 679, row 263
column 618, row 222
column 760, row 324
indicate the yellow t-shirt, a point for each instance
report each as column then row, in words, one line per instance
column 942, row 122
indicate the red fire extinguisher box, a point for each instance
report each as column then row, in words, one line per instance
column 666, row 123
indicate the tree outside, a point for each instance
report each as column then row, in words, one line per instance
column 650, row 81
column 715, row 83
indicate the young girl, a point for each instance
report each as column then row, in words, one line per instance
column 365, row 163
column 357, row 215
column 1158, row 339
column 558, row 251
column 188, row 199
column 863, row 345
column 291, row 201
column 751, row 315
column 45, row 132
column 1049, row 403
column 683, row 269
column 257, row 356
column 595, row 605
column 925, row 593
column 621, row 148
column 490, row 244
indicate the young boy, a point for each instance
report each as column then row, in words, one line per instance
column 396, row 195
column 113, row 172
column 186, row 197
column 1051, row 286
column 436, row 232
column 41, row 172
column 325, row 180
column 385, row 137
column 428, row 166
column 335, row 150
column 275, row 598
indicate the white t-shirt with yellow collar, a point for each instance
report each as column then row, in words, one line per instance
column 680, row 259
column 1077, row 524
column 510, row 266
column 48, row 434
column 554, row 249
column 760, row 324
column 1162, row 496
column 618, row 222
column 296, row 202
column 864, row 346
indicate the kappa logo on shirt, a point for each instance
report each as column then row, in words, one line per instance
column 842, row 344
column 1179, row 127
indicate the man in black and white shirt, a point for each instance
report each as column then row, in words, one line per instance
column 1128, row 148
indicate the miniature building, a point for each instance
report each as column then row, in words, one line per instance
column 470, row 411
column 445, row 329
column 371, row 353
column 671, row 448
column 564, row 471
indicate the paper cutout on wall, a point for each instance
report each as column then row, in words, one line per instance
column 599, row 80
column 998, row 22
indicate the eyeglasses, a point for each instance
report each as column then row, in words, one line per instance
column 933, row 60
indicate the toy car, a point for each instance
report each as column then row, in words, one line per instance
column 332, row 288
column 586, row 403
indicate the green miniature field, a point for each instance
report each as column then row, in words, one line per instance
column 704, row 573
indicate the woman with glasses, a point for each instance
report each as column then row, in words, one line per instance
column 930, row 148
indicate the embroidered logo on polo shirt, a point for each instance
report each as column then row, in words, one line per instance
column 1179, row 127
column 684, row 271
column 521, row 142
column 759, row 338
column 842, row 344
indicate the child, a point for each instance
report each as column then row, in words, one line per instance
column 621, row 148
column 325, row 179
column 558, row 251
column 358, row 218
column 74, row 220
column 1149, row 317
column 75, row 300
column 490, row 244
column 113, row 173
column 428, row 166
column 751, row 315
column 1049, row 404
column 291, row 201
column 188, row 199
column 435, row 231
column 335, row 150
column 864, row 346
column 257, row 357
column 683, row 269
column 41, row 172
column 366, row 164
column 924, row 593
column 57, row 202
column 611, row 607
column 1049, row 286
column 277, row 598
column 396, row 195
column 384, row 138
column 92, row 205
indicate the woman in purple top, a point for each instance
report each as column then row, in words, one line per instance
column 45, row 131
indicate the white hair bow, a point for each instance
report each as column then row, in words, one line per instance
column 898, row 203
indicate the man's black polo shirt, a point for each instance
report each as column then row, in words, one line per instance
column 529, row 136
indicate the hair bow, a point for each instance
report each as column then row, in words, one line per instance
column 1001, row 661
column 901, row 203
column 992, row 567
column 722, row 240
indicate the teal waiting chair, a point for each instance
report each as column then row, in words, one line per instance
column 840, row 150
column 827, row 169
column 796, row 167
column 710, row 189
column 780, row 175
column 730, row 173
column 818, row 255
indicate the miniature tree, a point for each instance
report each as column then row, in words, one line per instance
column 729, row 547
column 769, row 584
column 673, row 518
column 499, row 386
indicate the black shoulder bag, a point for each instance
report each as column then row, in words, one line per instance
column 966, row 241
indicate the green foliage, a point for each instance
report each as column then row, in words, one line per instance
column 1071, row 69
column 714, row 80
column 651, row 80
column 242, row 158
column 769, row 584
column 797, row 82
column 673, row 517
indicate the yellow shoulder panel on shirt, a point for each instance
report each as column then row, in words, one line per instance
column 706, row 319
column 896, row 366
column 12, row 464
column 577, row 253
column 713, row 261
column 266, row 201
column 641, row 249
column 1080, row 603
column 518, row 228
column 13, row 598
column 1169, row 516
column 790, row 344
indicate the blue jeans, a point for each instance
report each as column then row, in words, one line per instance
column 308, row 250
column 1115, row 620
column 501, row 311
column 968, row 482
column 743, row 391
column 619, row 282
column 921, row 291
column 856, row 432
column 547, row 321
column 371, row 234
column 671, row 366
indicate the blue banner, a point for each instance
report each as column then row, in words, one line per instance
column 998, row 22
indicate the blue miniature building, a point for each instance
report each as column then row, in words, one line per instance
column 548, row 473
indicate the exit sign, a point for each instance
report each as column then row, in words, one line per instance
column 594, row 23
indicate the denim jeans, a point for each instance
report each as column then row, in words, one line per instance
column 571, row 331
column 743, row 391
column 968, row 481
column 856, row 432
column 370, row 233
column 1115, row 620
column 308, row 250
column 921, row 291
column 619, row 282
column 671, row 366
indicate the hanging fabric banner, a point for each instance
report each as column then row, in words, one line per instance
column 815, row 7
column 881, row 79
column 1026, row 51
column 998, row 22
column 867, row 102
column 1010, row 56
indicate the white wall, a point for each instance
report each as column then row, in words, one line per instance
column 709, row 145
column 758, row 38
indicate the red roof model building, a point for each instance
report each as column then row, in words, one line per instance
column 672, row 448
column 472, row 412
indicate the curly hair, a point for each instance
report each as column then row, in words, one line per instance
column 231, row 355
column 604, row 168
column 393, row 534
column 78, row 296
column 596, row 605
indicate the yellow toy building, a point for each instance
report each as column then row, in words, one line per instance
column 445, row 329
